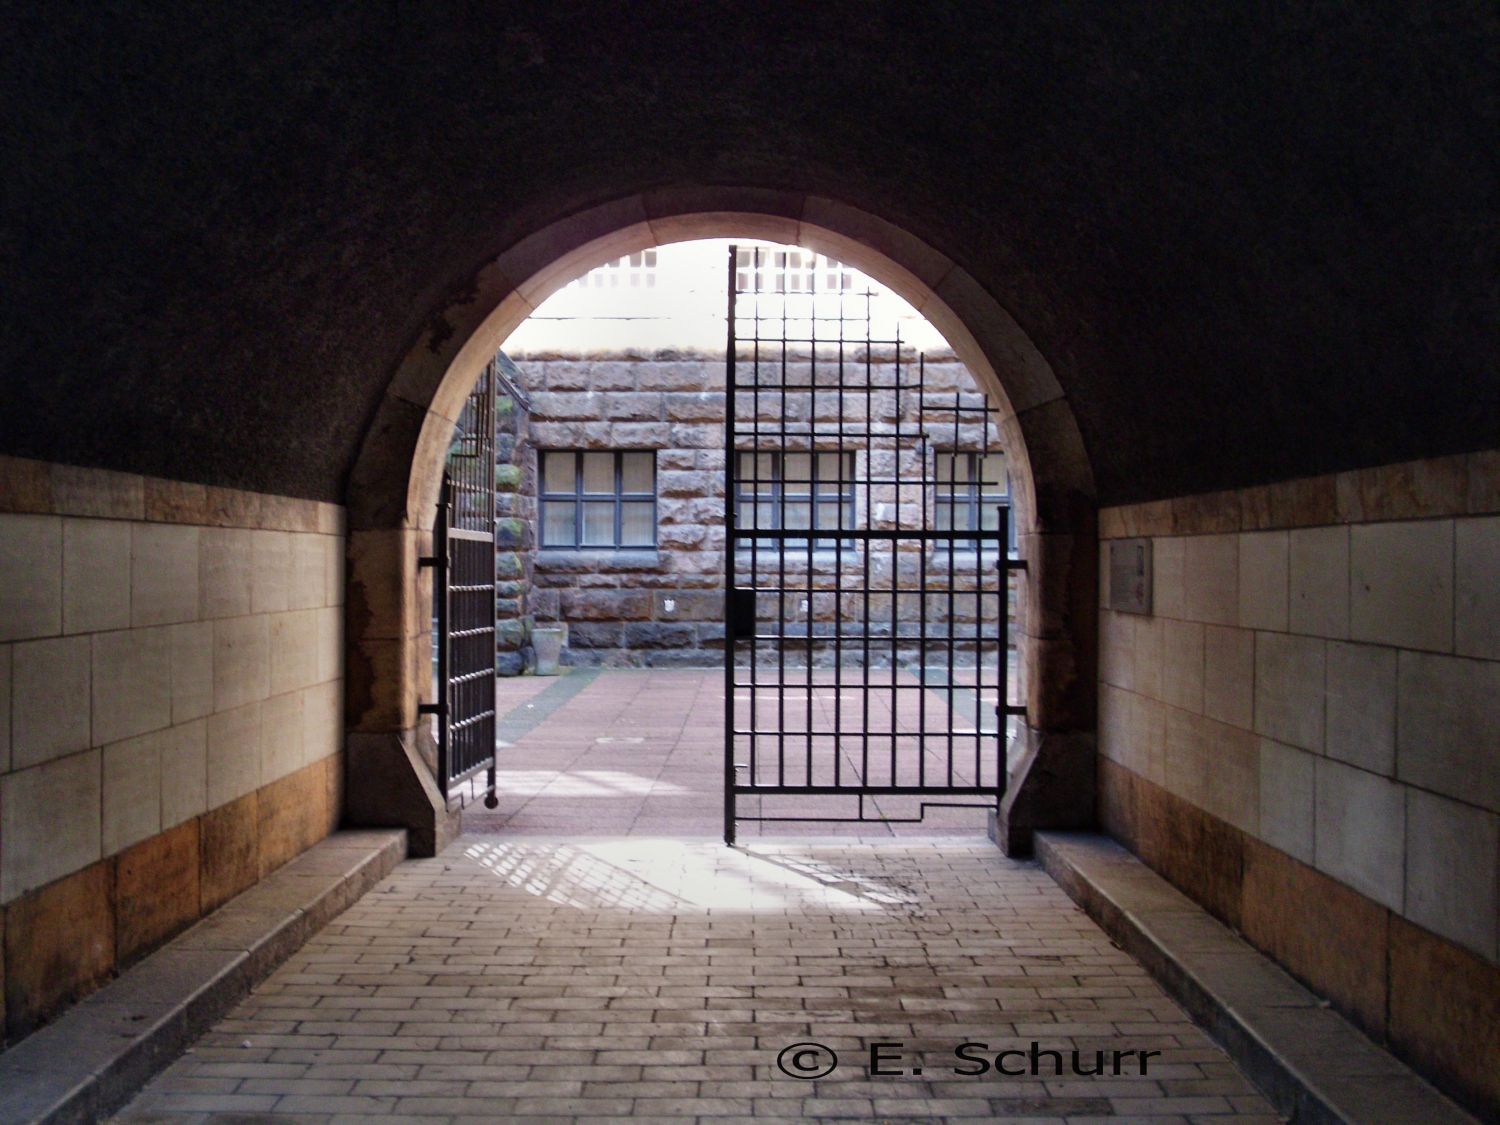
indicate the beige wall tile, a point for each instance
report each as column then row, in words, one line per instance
column 1229, row 675
column 270, row 575
column 281, row 736
column 330, row 643
column 322, row 720
column 226, row 559
column 1182, row 666
column 1211, row 579
column 1286, row 799
column 163, row 574
column 1148, row 719
column 1476, row 624
column 192, row 670
column 30, row 576
column 49, row 822
column 233, row 753
column 1233, row 775
column 1484, row 482
column 1451, row 856
column 1263, row 580
column 1360, row 831
column 4, row 711
column 1116, row 648
column 308, row 580
column 81, row 491
column 294, row 650
column 1362, row 706
column 1289, row 689
column 1186, row 762
column 96, row 575
column 1319, row 565
column 132, row 683
column 1448, row 726
column 242, row 661
column 49, row 700
column 132, row 790
column 1148, row 657
column 333, row 569
column 1401, row 584
column 184, row 773
column 1168, row 576
column 1114, row 725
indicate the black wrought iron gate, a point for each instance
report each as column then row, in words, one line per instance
column 463, row 595
column 867, row 572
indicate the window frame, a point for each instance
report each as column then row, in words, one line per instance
column 971, row 496
column 844, row 494
column 579, row 497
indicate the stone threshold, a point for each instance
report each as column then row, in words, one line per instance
column 1311, row 1063
column 96, row 1056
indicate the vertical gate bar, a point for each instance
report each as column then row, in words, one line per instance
column 922, row 575
column 812, row 513
column 979, row 588
column 838, row 567
column 730, row 480
column 754, row 518
column 870, row 546
column 486, row 733
column 778, row 519
column 440, row 553
column 1002, row 716
column 953, row 543
column 895, row 487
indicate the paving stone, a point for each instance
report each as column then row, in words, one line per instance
column 688, row 957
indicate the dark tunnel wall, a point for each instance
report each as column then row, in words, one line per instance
column 1254, row 242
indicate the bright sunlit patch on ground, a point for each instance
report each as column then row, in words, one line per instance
column 583, row 783
column 658, row 876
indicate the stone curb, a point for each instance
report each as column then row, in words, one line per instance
column 1311, row 1064
column 99, row 1053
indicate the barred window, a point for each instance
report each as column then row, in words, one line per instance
column 790, row 270
column 970, row 489
column 597, row 499
column 795, row 492
column 634, row 271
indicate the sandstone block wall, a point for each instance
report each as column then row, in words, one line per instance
column 665, row 606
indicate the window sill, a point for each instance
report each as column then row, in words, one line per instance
column 571, row 558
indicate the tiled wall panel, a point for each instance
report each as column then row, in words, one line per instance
column 1342, row 652
column 171, row 690
column 153, row 669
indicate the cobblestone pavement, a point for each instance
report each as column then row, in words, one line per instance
column 527, row 979
column 641, row 752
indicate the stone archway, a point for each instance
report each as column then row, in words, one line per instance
column 394, row 485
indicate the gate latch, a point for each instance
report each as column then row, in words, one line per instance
column 742, row 611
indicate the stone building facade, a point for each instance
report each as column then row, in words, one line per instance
column 661, row 603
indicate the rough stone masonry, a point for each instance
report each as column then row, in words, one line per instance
column 663, row 605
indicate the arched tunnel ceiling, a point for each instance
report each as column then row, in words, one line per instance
column 1253, row 241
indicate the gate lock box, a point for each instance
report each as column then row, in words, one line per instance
column 742, row 611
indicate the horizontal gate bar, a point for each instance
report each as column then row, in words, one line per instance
column 869, row 790
column 803, row 638
column 884, row 535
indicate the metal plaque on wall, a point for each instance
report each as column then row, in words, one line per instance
column 1130, row 575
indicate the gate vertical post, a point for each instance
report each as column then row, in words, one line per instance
column 729, row 564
